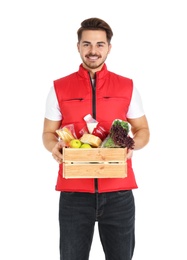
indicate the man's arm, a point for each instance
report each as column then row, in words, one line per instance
column 140, row 131
column 50, row 139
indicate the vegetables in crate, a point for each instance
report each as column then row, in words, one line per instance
column 119, row 136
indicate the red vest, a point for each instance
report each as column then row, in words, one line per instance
column 110, row 100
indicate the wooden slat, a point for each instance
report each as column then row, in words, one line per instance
column 95, row 170
column 94, row 154
column 94, row 162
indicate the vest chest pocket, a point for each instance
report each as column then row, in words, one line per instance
column 112, row 107
column 74, row 110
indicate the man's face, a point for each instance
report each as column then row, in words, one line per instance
column 94, row 49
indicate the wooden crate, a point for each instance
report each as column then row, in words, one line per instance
column 94, row 162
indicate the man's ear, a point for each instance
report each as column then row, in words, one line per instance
column 109, row 48
column 78, row 46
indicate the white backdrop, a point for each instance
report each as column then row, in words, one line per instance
column 38, row 45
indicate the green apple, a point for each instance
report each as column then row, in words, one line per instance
column 85, row 146
column 75, row 143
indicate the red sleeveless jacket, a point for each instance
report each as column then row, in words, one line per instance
column 110, row 100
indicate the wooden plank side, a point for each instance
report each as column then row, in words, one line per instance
column 94, row 154
column 99, row 170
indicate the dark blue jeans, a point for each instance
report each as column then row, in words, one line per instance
column 115, row 213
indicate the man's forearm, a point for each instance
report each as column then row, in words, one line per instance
column 141, row 138
column 49, row 141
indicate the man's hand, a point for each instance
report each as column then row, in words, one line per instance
column 129, row 154
column 57, row 152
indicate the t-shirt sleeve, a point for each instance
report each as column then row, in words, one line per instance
column 52, row 109
column 136, row 107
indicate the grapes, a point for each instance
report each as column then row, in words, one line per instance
column 120, row 137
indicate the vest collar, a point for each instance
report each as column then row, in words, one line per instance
column 99, row 74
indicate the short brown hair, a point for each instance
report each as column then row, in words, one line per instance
column 95, row 24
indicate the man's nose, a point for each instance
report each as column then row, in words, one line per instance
column 93, row 50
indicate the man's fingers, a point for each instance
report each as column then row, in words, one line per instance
column 129, row 154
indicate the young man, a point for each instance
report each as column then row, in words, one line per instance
column 106, row 96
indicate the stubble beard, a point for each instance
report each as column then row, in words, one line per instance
column 93, row 65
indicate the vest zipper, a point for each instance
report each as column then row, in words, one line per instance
column 94, row 116
column 96, row 185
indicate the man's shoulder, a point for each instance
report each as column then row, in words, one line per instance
column 65, row 78
column 121, row 77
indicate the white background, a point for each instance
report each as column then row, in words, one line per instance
column 37, row 45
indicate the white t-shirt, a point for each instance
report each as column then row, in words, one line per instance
column 52, row 111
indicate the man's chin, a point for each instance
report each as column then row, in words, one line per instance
column 93, row 65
